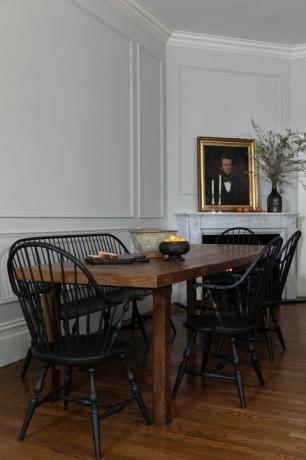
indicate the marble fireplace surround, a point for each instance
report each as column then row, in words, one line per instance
column 194, row 225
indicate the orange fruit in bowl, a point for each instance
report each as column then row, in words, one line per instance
column 174, row 239
column 258, row 209
column 246, row 209
column 240, row 209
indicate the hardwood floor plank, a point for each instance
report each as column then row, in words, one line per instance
column 208, row 423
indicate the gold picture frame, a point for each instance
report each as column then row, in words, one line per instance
column 227, row 165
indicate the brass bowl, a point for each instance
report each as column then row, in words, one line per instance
column 174, row 250
column 147, row 240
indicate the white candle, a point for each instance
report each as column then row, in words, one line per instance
column 212, row 187
column 220, row 179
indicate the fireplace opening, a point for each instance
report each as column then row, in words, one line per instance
column 264, row 238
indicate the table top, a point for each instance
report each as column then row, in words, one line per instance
column 202, row 260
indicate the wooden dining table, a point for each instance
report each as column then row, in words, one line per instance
column 159, row 275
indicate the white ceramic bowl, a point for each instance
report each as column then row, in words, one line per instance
column 147, row 240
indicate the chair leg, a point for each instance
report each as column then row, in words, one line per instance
column 67, row 385
column 33, row 402
column 95, row 415
column 206, row 350
column 220, row 344
column 238, row 375
column 136, row 390
column 173, row 327
column 267, row 335
column 255, row 361
column 138, row 319
column 183, row 366
column 277, row 328
column 26, row 363
column 106, row 317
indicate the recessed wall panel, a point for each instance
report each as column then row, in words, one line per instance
column 213, row 102
column 150, row 135
column 65, row 114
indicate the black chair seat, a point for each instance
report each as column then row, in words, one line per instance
column 228, row 325
column 93, row 304
column 81, row 350
column 116, row 296
column 140, row 294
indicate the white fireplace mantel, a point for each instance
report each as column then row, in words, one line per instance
column 194, row 225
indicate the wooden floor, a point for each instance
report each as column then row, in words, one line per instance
column 207, row 424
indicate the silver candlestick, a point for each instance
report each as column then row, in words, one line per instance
column 219, row 203
column 213, row 207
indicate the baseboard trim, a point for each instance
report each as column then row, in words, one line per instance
column 297, row 300
column 14, row 341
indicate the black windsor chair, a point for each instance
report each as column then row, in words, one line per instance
column 233, row 235
column 249, row 292
column 81, row 245
column 237, row 235
column 274, row 297
column 65, row 327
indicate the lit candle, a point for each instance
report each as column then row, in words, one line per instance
column 220, row 179
column 212, row 187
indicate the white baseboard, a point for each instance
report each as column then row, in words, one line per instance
column 14, row 341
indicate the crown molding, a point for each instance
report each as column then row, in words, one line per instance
column 145, row 17
column 156, row 25
column 298, row 51
column 235, row 45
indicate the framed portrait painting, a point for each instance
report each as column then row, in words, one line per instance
column 226, row 174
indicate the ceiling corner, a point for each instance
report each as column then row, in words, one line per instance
column 145, row 17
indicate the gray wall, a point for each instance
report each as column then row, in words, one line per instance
column 82, row 121
column 216, row 92
column 298, row 117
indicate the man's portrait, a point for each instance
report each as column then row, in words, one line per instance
column 226, row 170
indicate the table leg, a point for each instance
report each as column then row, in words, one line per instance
column 51, row 303
column 55, row 377
column 162, row 356
column 191, row 297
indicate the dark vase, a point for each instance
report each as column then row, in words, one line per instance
column 274, row 200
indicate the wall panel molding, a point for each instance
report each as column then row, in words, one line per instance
column 299, row 51
column 48, row 203
column 6, row 300
column 103, row 23
column 141, row 212
column 55, row 230
column 66, row 214
column 7, row 327
column 278, row 78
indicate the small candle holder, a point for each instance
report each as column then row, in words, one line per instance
column 213, row 207
column 219, row 203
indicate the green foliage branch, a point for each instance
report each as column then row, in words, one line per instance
column 278, row 154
